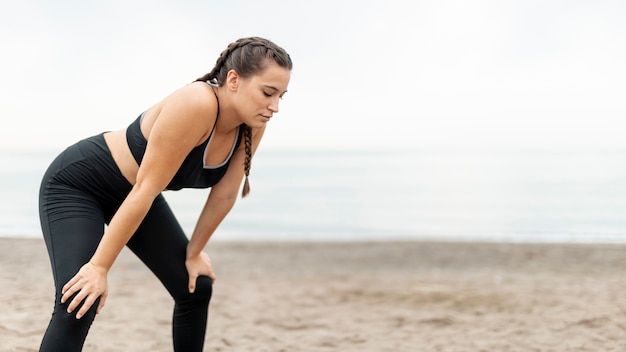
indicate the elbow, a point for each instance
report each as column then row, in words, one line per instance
column 224, row 197
column 145, row 190
column 225, row 191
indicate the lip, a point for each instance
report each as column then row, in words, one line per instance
column 267, row 118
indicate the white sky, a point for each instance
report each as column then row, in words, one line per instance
column 374, row 75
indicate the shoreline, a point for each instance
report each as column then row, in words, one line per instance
column 350, row 296
column 543, row 239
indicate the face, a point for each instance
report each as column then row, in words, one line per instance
column 257, row 97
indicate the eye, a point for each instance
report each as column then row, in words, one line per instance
column 267, row 94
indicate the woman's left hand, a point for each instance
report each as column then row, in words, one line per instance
column 198, row 265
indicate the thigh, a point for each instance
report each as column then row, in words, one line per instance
column 72, row 224
column 161, row 244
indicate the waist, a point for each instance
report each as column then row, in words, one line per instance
column 117, row 144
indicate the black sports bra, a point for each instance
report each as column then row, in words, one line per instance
column 192, row 172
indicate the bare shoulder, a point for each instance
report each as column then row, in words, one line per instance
column 196, row 97
column 190, row 108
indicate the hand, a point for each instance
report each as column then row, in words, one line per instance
column 90, row 282
column 198, row 265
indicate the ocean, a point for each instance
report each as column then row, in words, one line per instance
column 447, row 195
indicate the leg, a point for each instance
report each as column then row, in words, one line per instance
column 72, row 225
column 161, row 244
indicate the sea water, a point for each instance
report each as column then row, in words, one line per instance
column 477, row 195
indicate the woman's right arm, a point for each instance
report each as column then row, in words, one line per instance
column 179, row 127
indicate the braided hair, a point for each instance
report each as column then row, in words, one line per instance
column 248, row 57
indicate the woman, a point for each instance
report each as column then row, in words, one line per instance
column 202, row 135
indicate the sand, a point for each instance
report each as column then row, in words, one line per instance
column 376, row 296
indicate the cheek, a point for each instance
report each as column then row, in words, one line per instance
column 251, row 105
column 259, row 101
column 253, row 101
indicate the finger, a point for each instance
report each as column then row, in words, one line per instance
column 103, row 298
column 80, row 296
column 69, row 292
column 70, row 283
column 86, row 305
column 192, row 283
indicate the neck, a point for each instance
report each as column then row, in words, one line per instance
column 228, row 119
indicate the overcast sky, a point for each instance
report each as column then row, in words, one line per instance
column 367, row 74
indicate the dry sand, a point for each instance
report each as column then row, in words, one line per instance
column 377, row 296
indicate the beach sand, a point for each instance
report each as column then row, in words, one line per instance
column 376, row 296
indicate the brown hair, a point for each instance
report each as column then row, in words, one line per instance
column 247, row 57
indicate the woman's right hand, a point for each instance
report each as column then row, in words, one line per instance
column 89, row 283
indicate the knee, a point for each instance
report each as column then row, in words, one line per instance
column 204, row 288
column 202, row 293
column 61, row 315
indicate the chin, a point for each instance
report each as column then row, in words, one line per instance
column 257, row 124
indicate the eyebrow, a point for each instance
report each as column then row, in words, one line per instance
column 274, row 88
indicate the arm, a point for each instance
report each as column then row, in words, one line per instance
column 219, row 203
column 180, row 125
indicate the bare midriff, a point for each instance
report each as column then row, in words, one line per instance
column 116, row 141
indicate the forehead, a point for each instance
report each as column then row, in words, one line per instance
column 274, row 76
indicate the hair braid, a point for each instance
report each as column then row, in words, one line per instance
column 248, row 57
column 221, row 60
column 247, row 131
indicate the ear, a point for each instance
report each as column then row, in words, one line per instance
column 232, row 80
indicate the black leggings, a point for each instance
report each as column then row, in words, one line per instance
column 80, row 192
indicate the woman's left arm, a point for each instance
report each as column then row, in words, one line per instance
column 221, row 199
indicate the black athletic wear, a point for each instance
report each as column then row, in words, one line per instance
column 80, row 192
column 193, row 173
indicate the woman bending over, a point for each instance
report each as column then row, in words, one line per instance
column 202, row 135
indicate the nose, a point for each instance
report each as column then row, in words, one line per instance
column 273, row 107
